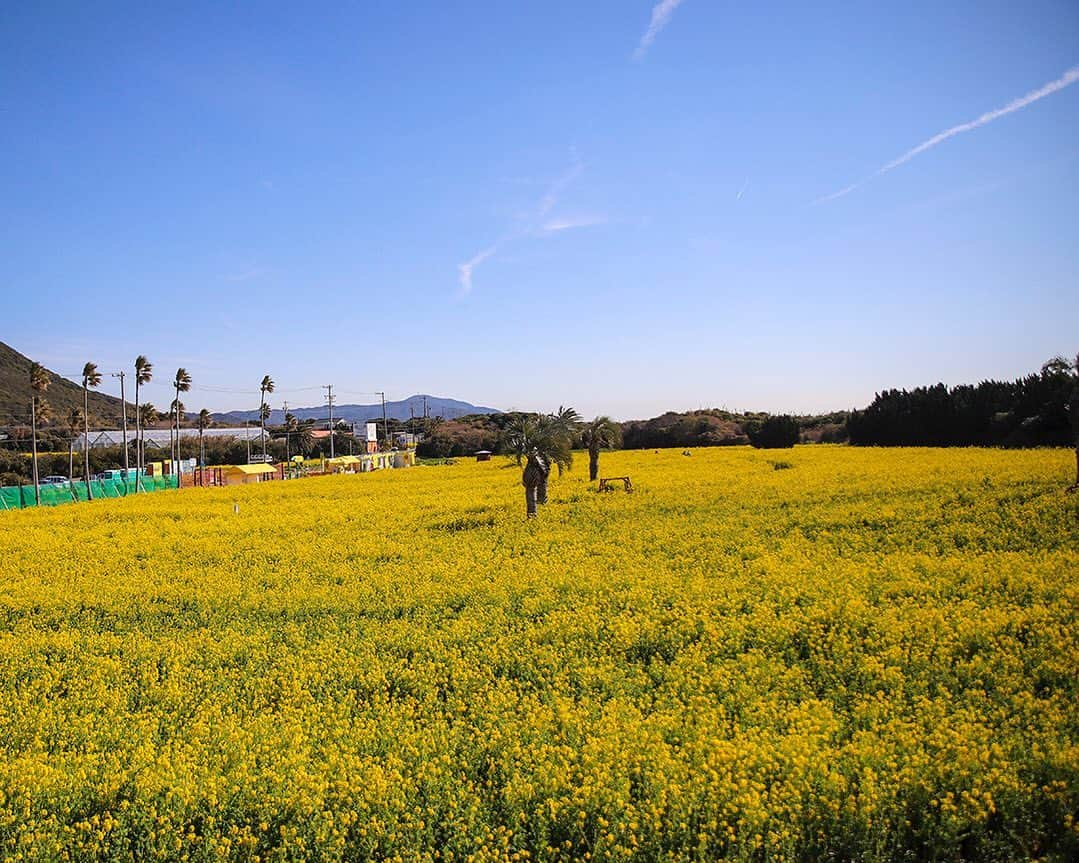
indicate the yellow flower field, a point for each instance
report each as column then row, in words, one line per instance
column 864, row 655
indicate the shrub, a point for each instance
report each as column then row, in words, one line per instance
column 776, row 432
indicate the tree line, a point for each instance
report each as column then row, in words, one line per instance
column 1031, row 411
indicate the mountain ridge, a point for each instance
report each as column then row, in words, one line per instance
column 400, row 409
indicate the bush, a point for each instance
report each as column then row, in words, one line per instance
column 776, row 432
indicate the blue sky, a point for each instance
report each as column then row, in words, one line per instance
column 620, row 205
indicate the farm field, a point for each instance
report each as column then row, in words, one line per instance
column 819, row 653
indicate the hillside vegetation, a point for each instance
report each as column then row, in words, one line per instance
column 62, row 394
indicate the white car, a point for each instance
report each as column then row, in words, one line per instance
column 55, row 480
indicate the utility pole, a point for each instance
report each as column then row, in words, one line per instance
column 385, row 427
column 329, row 403
column 123, row 409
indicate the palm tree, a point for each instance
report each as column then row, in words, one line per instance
column 543, row 441
column 177, row 409
column 1073, row 413
column 149, row 416
column 601, row 433
column 304, row 439
column 182, row 384
column 264, row 417
column 74, row 421
column 144, row 371
column 39, row 410
column 290, row 428
column 265, row 387
column 203, row 423
column 91, row 377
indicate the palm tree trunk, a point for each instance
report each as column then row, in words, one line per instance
column 71, row 458
column 262, row 422
column 86, row 440
column 530, row 501
column 593, row 464
column 138, row 435
column 33, row 434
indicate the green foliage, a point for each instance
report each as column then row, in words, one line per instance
column 776, row 432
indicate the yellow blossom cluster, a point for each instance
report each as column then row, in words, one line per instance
column 833, row 653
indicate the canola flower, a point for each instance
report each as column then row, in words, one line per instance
column 869, row 655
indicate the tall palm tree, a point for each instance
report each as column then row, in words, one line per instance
column 601, row 433
column 144, row 371
column 177, row 408
column 202, row 423
column 290, row 428
column 74, row 421
column 265, row 387
column 39, row 410
column 1073, row 414
column 91, row 377
column 264, row 417
column 182, row 384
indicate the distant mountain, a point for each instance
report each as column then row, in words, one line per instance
column 398, row 410
column 62, row 394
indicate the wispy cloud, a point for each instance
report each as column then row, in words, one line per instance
column 464, row 271
column 661, row 14
column 1065, row 80
column 531, row 223
column 567, row 223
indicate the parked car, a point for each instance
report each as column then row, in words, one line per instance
column 55, row 480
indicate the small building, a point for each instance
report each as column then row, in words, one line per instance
column 344, row 464
column 245, row 474
column 483, row 455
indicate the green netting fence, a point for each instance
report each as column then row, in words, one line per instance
column 22, row 496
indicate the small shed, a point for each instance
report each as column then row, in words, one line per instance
column 483, row 455
column 344, row 464
column 243, row 474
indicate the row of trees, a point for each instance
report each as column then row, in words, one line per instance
column 77, row 421
column 1030, row 411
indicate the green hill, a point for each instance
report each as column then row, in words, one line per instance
column 61, row 396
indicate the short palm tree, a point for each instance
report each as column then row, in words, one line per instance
column 39, row 412
column 601, row 433
column 182, row 384
column 304, row 439
column 543, row 441
column 91, row 377
column 203, row 423
column 149, row 416
column 265, row 387
column 74, row 422
column 144, row 371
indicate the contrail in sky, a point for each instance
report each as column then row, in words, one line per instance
column 661, row 14
column 1065, row 80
